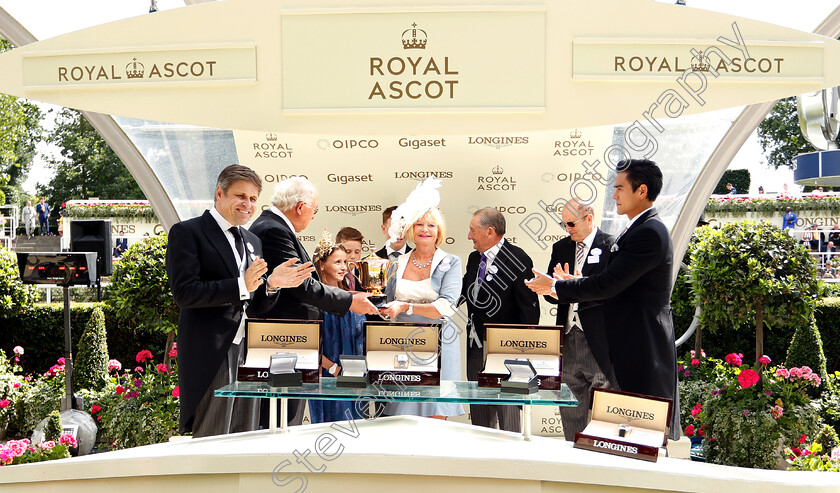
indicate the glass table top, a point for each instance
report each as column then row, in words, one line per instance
column 458, row 392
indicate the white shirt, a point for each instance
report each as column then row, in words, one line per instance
column 278, row 212
column 637, row 216
column 389, row 250
column 573, row 318
column 244, row 294
column 490, row 254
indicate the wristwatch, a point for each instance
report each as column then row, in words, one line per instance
column 333, row 369
column 554, row 288
column 410, row 310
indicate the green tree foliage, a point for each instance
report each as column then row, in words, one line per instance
column 806, row 349
column 52, row 429
column 15, row 297
column 780, row 136
column 91, row 362
column 140, row 288
column 20, row 131
column 752, row 272
column 88, row 167
column 739, row 178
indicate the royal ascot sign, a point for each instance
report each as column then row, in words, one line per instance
column 174, row 65
column 413, row 60
column 424, row 72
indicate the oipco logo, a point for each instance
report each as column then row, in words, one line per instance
column 580, row 176
column 512, row 209
column 347, row 144
column 279, row 178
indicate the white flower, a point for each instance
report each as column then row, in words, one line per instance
column 445, row 264
column 493, row 269
column 595, row 252
column 250, row 247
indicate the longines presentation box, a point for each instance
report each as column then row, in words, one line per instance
column 402, row 353
column 627, row 424
column 266, row 337
column 542, row 345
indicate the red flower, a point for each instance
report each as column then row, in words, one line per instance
column 120, row 389
column 161, row 368
column 689, row 430
column 702, row 431
column 4, row 403
column 764, row 360
column 695, row 362
column 176, row 392
column 95, row 409
column 802, row 438
column 173, row 353
column 61, row 361
column 747, row 378
column 734, row 359
column 143, row 355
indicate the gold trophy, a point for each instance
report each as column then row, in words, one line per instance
column 373, row 273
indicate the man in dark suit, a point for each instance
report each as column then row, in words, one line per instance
column 635, row 288
column 43, row 210
column 293, row 206
column 215, row 273
column 586, row 356
column 495, row 293
column 391, row 251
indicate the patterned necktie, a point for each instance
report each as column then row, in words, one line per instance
column 580, row 253
column 482, row 268
column 394, row 255
column 237, row 239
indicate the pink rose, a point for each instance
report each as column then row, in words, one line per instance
column 18, row 350
column 734, row 359
column 114, row 365
column 173, row 353
column 4, row 403
column 764, row 360
column 161, row 368
column 68, row 439
column 783, row 372
column 695, row 362
column 747, row 378
column 176, row 392
column 61, row 361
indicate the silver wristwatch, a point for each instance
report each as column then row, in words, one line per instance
column 410, row 310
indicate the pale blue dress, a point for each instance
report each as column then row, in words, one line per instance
column 442, row 289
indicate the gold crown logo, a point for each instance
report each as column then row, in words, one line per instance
column 414, row 39
column 134, row 69
column 575, row 134
column 700, row 63
column 271, row 137
column 498, row 170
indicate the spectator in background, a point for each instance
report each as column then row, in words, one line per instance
column 834, row 235
column 351, row 239
column 43, row 210
column 789, row 219
column 27, row 217
column 61, row 223
column 760, row 189
column 732, row 190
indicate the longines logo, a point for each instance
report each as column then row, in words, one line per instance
column 421, row 143
column 271, row 148
column 630, row 414
column 282, row 340
column 496, row 181
column 430, row 78
column 401, row 342
column 422, row 175
column 345, row 179
column 302, row 238
column 573, row 146
column 135, row 70
column 398, row 377
column 278, row 178
column 523, row 346
column 497, row 142
column 354, row 210
column 347, row 144
column 616, row 447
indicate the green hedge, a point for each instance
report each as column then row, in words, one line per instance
column 739, row 178
column 40, row 331
column 776, row 339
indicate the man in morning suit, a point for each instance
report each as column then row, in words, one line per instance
column 391, row 251
column 496, row 271
column 586, row 357
column 215, row 273
column 293, row 206
column 635, row 288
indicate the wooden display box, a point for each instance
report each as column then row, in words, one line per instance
column 649, row 418
column 542, row 345
column 418, row 343
column 264, row 337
